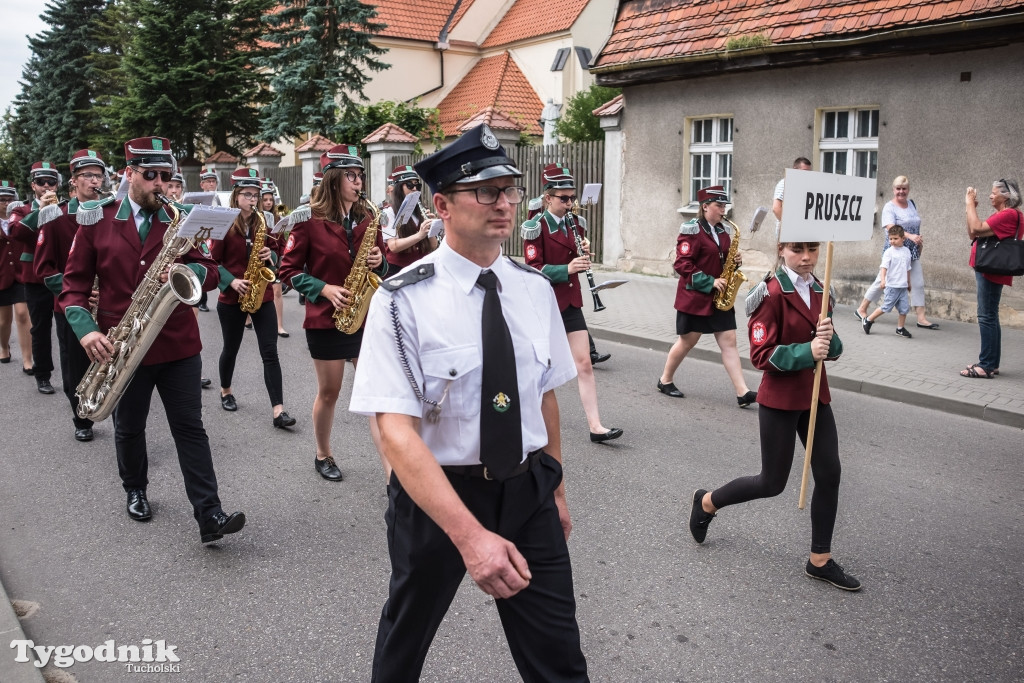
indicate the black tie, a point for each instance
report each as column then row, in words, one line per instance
column 501, row 433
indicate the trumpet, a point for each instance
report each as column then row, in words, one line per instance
column 571, row 216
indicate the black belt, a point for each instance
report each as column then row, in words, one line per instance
column 481, row 471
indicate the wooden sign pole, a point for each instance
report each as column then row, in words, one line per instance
column 817, row 381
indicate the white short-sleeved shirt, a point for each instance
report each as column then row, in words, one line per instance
column 780, row 190
column 440, row 320
column 896, row 261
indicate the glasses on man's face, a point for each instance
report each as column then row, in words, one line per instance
column 251, row 196
column 566, row 198
column 90, row 176
column 488, row 194
column 150, row 175
column 45, row 182
column 353, row 175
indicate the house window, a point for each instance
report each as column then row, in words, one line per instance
column 560, row 58
column 710, row 154
column 849, row 142
column 584, row 55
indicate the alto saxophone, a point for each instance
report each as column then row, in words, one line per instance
column 361, row 282
column 152, row 303
column 734, row 277
column 256, row 272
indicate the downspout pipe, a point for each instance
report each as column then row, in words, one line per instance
column 441, row 46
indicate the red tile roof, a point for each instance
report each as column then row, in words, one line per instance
column 389, row 132
column 417, row 19
column 317, row 143
column 494, row 81
column 493, row 117
column 655, row 30
column 611, row 107
column 531, row 18
column 263, row 149
column 221, row 158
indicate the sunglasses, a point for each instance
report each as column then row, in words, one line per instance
column 566, row 199
column 45, row 182
column 413, row 184
column 352, row 176
column 150, row 175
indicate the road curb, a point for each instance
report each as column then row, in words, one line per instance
column 10, row 629
column 980, row 411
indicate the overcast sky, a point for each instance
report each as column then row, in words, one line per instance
column 21, row 17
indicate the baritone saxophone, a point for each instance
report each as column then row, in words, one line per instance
column 361, row 282
column 734, row 277
column 256, row 272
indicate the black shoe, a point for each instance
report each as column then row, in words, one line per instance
column 866, row 324
column 44, row 386
column 612, row 433
column 857, row 315
column 228, row 403
column 834, row 574
column 205, row 382
column 6, row 360
column 285, row 289
column 204, row 308
column 284, row 420
column 670, row 390
column 220, row 524
column 746, row 399
column 327, row 468
column 929, row 326
column 302, row 300
column 285, row 335
column 902, row 331
column 596, row 358
column 84, row 434
column 29, row 371
column 699, row 520
column 138, row 506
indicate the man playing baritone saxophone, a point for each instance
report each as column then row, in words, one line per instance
column 117, row 241
column 57, row 225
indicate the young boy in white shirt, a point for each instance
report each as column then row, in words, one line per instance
column 895, row 278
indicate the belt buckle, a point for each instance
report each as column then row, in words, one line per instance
column 487, row 474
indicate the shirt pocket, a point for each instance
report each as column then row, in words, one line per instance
column 456, row 369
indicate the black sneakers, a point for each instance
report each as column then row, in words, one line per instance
column 699, row 519
column 830, row 573
column 902, row 331
column 866, row 324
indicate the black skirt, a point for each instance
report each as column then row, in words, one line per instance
column 15, row 294
column 718, row 321
column 331, row 344
column 572, row 319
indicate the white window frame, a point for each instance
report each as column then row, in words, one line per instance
column 858, row 144
column 718, row 151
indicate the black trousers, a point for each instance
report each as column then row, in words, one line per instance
column 178, row 385
column 40, row 311
column 426, row 569
column 779, row 429
column 264, row 323
column 73, row 365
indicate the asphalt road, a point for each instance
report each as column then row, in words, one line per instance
column 930, row 519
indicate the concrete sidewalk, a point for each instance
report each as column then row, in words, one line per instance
column 922, row 371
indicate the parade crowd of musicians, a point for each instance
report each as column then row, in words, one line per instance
column 455, row 362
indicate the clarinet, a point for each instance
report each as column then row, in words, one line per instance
column 598, row 306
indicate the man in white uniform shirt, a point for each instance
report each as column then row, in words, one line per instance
column 426, row 350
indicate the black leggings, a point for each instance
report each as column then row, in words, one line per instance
column 778, row 431
column 232, row 327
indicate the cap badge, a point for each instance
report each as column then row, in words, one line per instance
column 158, row 144
column 487, row 138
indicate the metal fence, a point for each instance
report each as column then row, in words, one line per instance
column 584, row 159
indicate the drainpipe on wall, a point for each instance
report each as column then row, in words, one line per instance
column 441, row 46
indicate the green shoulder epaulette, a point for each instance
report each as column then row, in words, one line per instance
column 690, row 227
column 528, row 269
column 90, row 213
column 530, row 229
column 299, row 215
column 420, row 273
column 758, row 294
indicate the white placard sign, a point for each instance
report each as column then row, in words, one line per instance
column 591, row 193
column 280, row 226
column 204, row 198
column 207, row 222
column 122, row 189
column 404, row 212
column 826, row 207
column 436, row 228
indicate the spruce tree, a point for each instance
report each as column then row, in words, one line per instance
column 320, row 66
column 114, row 29
column 54, row 114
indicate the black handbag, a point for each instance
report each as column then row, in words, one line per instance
column 995, row 256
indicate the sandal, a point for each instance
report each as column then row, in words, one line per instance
column 976, row 371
